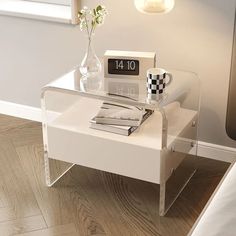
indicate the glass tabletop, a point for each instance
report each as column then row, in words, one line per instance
column 184, row 88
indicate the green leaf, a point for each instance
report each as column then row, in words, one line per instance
column 99, row 8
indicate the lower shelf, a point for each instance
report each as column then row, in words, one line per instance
column 139, row 156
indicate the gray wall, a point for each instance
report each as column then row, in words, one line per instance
column 197, row 36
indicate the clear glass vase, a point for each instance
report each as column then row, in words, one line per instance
column 90, row 65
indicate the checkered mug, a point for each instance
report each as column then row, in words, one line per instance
column 156, row 82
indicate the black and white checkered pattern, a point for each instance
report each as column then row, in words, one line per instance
column 156, row 83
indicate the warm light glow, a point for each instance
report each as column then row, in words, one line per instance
column 154, row 6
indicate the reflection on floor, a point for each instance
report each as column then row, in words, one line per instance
column 86, row 201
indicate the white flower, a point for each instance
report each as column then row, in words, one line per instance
column 85, row 10
column 89, row 19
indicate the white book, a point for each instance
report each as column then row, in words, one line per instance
column 117, row 114
column 117, row 129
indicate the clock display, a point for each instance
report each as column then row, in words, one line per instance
column 123, row 67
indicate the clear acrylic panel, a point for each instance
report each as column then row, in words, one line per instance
column 178, row 162
column 54, row 104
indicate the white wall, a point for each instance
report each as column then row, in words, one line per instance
column 197, row 36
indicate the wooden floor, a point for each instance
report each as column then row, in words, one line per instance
column 86, row 201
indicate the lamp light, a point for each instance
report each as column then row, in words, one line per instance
column 154, row 6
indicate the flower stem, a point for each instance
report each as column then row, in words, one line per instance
column 91, row 31
column 86, row 20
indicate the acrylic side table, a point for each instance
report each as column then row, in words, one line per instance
column 158, row 151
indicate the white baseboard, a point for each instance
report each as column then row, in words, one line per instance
column 21, row 111
column 216, row 152
column 208, row 150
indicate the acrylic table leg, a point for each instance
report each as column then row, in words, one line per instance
column 55, row 169
column 173, row 183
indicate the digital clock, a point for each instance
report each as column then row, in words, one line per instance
column 128, row 64
column 123, row 67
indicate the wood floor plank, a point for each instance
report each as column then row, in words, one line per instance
column 26, row 134
column 22, row 225
column 10, row 123
column 60, row 230
column 7, row 214
column 4, row 195
column 1, row 203
column 14, row 185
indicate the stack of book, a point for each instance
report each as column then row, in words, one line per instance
column 119, row 119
